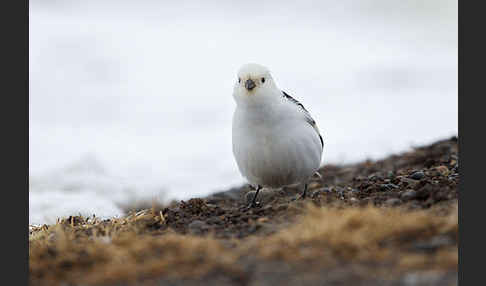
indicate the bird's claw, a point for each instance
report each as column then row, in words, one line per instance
column 252, row 205
column 299, row 197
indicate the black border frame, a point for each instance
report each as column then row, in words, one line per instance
column 15, row 120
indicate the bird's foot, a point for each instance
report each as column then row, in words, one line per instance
column 252, row 199
column 299, row 197
column 252, row 205
column 302, row 196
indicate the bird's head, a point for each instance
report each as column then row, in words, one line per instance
column 254, row 83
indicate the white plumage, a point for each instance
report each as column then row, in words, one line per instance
column 275, row 140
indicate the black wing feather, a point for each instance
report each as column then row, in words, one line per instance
column 310, row 119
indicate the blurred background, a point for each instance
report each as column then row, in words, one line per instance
column 131, row 101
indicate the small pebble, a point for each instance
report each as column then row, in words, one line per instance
column 197, row 227
column 268, row 207
column 409, row 195
column 443, row 170
column 388, row 187
column 410, row 182
column 375, row 177
column 418, row 175
column 214, row 220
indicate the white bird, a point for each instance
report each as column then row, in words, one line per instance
column 276, row 142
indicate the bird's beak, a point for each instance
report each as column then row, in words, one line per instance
column 250, row 84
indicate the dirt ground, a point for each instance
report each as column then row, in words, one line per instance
column 386, row 222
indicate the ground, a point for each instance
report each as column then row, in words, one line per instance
column 386, row 222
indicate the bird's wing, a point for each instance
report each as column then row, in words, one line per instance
column 308, row 117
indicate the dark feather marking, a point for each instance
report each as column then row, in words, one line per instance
column 309, row 118
column 287, row 96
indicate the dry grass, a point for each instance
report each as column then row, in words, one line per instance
column 78, row 250
column 365, row 234
column 101, row 253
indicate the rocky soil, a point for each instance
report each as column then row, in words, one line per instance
column 386, row 222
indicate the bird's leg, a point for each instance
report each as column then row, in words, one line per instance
column 304, row 193
column 253, row 201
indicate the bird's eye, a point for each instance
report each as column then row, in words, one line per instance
column 239, row 80
column 263, row 79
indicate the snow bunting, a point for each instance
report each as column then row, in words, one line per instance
column 276, row 142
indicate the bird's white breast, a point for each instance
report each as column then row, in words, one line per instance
column 273, row 144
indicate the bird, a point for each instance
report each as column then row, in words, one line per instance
column 275, row 140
